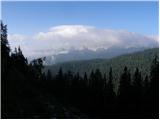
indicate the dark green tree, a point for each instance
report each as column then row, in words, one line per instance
column 154, row 86
column 146, row 83
column 137, row 82
column 109, row 94
column 110, row 88
column 19, row 60
column 91, row 79
column 98, row 82
column 124, row 92
column 137, row 91
column 145, row 96
column 5, row 62
column 61, row 82
column 49, row 75
column 86, row 79
column 37, row 65
column 125, row 85
column 5, row 48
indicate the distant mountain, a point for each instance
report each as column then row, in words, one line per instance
column 142, row 60
column 87, row 54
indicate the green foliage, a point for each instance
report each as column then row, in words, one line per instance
column 125, row 86
column 141, row 60
column 49, row 76
column 154, row 85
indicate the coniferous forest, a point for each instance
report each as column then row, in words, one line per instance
column 28, row 92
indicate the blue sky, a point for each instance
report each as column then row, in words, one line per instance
column 32, row 17
column 50, row 28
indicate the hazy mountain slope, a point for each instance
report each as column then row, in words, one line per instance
column 142, row 60
column 139, row 59
column 87, row 54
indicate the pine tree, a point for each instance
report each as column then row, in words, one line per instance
column 124, row 92
column 60, row 81
column 4, row 41
column 5, row 49
column 49, row 75
column 110, row 88
column 5, row 82
column 146, row 96
column 125, row 84
column 91, row 79
column 154, row 87
column 137, row 82
column 105, row 80
column 98, row 82
column 85, row 78
column 19, row 60
column 109, row 94
column 146, row 82
column 137, row 90
column 37, row 66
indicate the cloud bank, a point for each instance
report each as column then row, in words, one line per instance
column 61, row 39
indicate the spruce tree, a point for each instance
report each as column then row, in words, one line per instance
column 91, row 79
column 124, row 92
column 125, row 85
column 49, row 75
column 5, row 48
column 109, row 95
column 137, row 91
column 110, row 88
column 5, row 63
column 154, row 87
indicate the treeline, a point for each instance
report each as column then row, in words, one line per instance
column 21, row 83
column 26, row 89
column 95, row 94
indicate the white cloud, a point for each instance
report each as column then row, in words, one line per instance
column 63, row 31
column 16, row 37
column 154, row 37
column 63, row 38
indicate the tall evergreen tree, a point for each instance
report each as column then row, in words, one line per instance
column 146, row 83
column 49, row 75
column 37, row 66
column 86, row 79
column 109, row 95
column 5, row 49
column 145, row 96
column 124, row 92
column 5, row 63
column 105, row 80
column 91, row 79
column 4, row 41
column 137, row 90
column 125, row 85
column 60, row 82
column 154, row 87
column 110, row 88
column 137, row 82
column 98, row 82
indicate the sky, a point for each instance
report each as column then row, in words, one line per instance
column 36, row 26
column 31, row 17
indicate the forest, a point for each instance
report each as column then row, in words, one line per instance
column 29, row 92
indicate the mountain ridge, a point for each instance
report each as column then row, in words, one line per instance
column 141, row 60
column 141, row 54
column 87, row 54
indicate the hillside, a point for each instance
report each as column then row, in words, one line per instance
column 86, row 54
column 142, row 60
